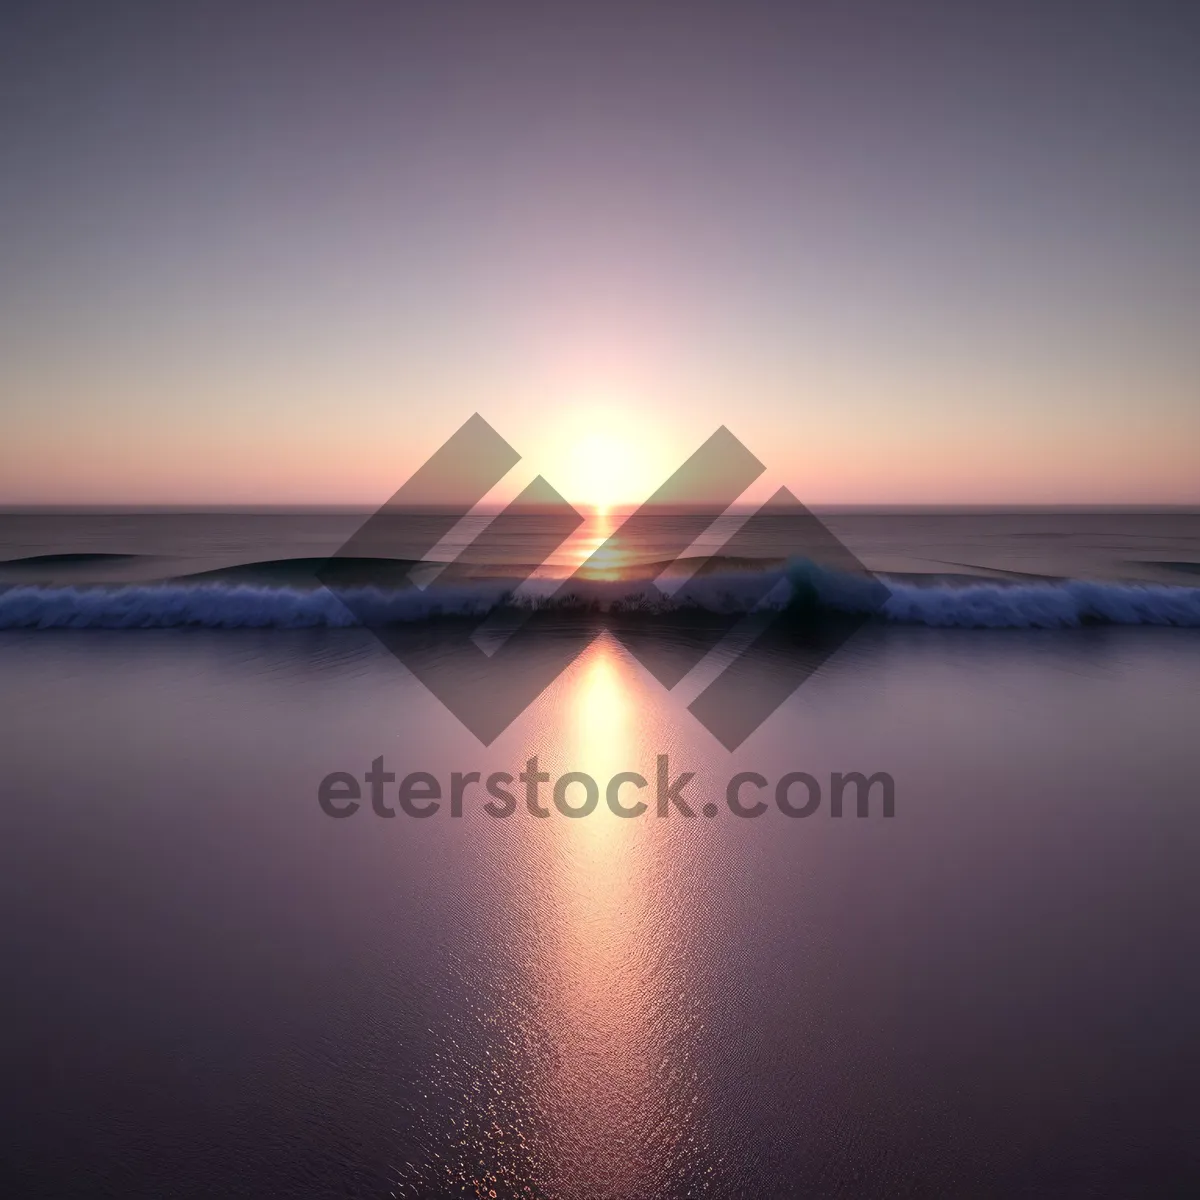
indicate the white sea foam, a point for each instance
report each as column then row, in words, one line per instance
column 1051, row 605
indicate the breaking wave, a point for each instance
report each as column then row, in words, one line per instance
column 983, row 605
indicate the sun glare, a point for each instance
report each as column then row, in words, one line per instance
column 604, row 454
column 596, row 470
column 604, row 470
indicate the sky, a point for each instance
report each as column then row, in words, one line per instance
column 920, row 253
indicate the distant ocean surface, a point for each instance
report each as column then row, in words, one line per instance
column 212, row 988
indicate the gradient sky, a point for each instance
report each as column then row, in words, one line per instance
column 908, row 253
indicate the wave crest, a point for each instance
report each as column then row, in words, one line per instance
column 987, row 605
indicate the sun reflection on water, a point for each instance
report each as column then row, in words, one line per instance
column 597, row 560
column 573, row 1070
column 611, row 985
column 601, row 1079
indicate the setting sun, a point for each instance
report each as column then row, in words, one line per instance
column 605, row 457
column 600, row 471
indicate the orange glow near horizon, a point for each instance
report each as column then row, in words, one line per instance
column 605, row 457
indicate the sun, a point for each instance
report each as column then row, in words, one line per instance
column 609, row 465
column 599, row 472
column 603, row 454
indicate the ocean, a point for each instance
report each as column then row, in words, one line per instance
column 219, row 985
